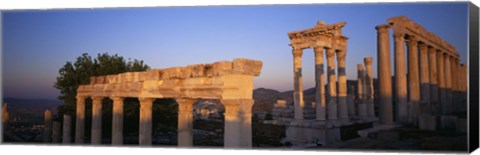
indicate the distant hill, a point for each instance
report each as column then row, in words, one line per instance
column 30, row 107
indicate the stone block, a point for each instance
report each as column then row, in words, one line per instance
column 247, row 67
column 427, row 122
column 222, row 68
column 448, row 122
column 99, row 79
column 111, row 79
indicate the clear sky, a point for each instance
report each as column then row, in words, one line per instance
column 36, row 44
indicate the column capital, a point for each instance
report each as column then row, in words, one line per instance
column 318, row 49
column 398, row 35
column 330, row 52
column 431, row 50
column 382, row 28
column 80, row 98
column 237, row 105
column 146, row 99
column 412, row 41
column 297, row 52
column 341, row 55
column 97, row 98
column 423, row 46
column 368, row 60
column 115, row 98
column 185, row 105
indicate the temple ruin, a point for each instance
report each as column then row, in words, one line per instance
column 231, row 82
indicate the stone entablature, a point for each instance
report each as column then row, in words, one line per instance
column 405, row 26
column 219, row 80
column 328, row 36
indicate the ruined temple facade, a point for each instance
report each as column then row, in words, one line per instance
column 435, row 83
column 231, row 82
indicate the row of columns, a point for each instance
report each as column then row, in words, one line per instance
column 365, row 89
column 336, row 106
column 432, row 76
column 238, row 114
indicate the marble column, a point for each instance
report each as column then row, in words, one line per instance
column 47, row 131
column 185, row 122
column 238, row 123
column 441, row 82
column 342, row 84
column 362, row 107
column 332, row 85
column 384, row 75
column 432, row 60
column 56, row 129
column 400, row 77
column 448, row 83
column 298, row 83
column 96, row 134
column 145, row 135
column 369, row 86
column 80, row 120
column 321, row 106
column 424, row 74
column 413, row 80
column 117, row 121
column 67, row 129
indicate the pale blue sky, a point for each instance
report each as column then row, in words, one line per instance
column 36, row 44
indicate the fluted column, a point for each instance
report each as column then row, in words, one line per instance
column 384, row 75
column 47, row 131
column 433, row 79
column 332, row 86
column 362, row 107
column 145, row 129
column 321, row 105
column 369, row 86
column 424, row 74
column 67, row 129
column 448, row 83
column 238, row 123
column 441, row 82
column 342, row 84
column 117, row 121
column 96, row 135
column 298, row 83
column 400, row 77
column 185, row 122
column 80, row 120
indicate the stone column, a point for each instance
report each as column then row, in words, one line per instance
column 362, row 107
column 332, row 85
column 385, row 75
column 80, row 120
column 454, row 73
column 5, row 117
column 96, row 135
column 67, row 129
column 320, row 84
column 441, row 82
column 117, row 121
column 298, row 83
column 47, row 131
column 432, row 59
column 400, row 77
column 56, row 129
column 413, row 80
column 424, row 74
column 369, row 86
column 185, row 122
column 448, row 83
column 145, row 135
column 342, row 84
column 238, row 123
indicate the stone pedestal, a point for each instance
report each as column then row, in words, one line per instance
column 96, row 120
column 342, row 85
column 67, row 129
column 321, row 106
column 47, row 131
column 56, row 132
column 332, row 86
column 80, row 120
column 185, row 122
column 298, row 84
column 117, row 121
column 385, row 76
column 145, row 135
column 238, row 123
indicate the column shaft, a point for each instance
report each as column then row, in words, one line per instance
column 117, row 121
column 362, row 108
column 448, row 83
column 67, row 129
column 432, row 59
column 298, row 84
column 369, row 86
column 56, row 129
column 80, row 120
column 96, row 134
column 384, row 75
column 47, row 131
column 332, row 85
column 145, row 135
column 342, row 84
column 441, row 82
column 185, row 122
column 400, row 77
column 320, row 84
column 424, row 74
column 238, row 121
column 413, row 80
